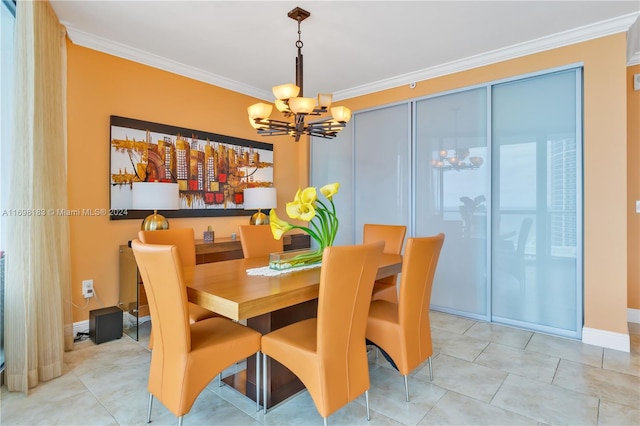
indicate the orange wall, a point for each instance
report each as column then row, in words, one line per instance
column 633, row 165
column 605, row 165
column 100, row 85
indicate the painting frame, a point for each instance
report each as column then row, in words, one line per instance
column 212, row 170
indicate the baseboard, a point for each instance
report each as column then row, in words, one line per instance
column 80, row 327
column 633, row 315
column 606, row 339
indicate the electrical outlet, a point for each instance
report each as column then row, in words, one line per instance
column 87, row 288
column 637, row 206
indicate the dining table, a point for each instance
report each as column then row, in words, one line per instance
column 266, row 303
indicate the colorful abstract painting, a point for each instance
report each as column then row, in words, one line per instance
column 211, row 170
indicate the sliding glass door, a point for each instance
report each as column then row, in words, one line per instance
column 536, row 203
column 451, row 195
column 497, row 169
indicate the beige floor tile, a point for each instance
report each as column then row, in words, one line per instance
column 65, row 409
column 210, row 406
column 598, row 382
column 614, row 414
column 573, row 350
column 622, row 362
column 529, row 364
column 301, row 410
column 387, row 395
column 504, row 335
column 456, row 409
column 457, row 345
column 464, row 377
column 450, row 322
column 546, row 403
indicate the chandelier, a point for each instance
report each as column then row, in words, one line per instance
column 291, row 103
column 460, row 160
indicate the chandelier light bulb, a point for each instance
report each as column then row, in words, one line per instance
column 324, row 100
column 302, row 105
column 285, row 91
column 282, row 106
column 341, row 114
column 259, row 110
column 476, row 161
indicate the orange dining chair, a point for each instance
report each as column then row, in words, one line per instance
column 393, row 237
column 184, row 240
column 328, row 353
column 257, row 240
column 403, row 329
column 186, row 356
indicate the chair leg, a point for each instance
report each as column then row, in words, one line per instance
column 149, row 409
column 377, row 353
column 180, row 420
column 220, row 379
column 366, row 398
column 406, row 387
column 325, row 421
column 264, row 383
column 258, row 381
column 430, row 370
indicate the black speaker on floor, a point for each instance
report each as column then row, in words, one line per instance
column 105, row 324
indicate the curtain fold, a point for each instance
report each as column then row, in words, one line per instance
column 38, row 317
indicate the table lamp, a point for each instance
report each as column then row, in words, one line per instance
column 155, row 196
column 260, row 198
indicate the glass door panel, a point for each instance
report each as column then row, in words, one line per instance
column 332, row 161
column 536, row 203
column 381, row 167
column 451, row 195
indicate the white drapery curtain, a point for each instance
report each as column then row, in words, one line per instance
column 38, row 319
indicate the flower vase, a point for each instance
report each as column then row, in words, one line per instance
column 295, row 258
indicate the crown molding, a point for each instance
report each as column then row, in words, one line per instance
column 82, row 38
column 633, row 44
column 577, row 35
column 573, row 36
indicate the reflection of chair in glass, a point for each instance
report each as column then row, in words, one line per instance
column 184, row 240
column 393, row 237
column 185, row 357
column 328, row 353
column 257, row 240
column 403, row 329
column 510, row 258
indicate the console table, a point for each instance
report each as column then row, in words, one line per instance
column 133, row 299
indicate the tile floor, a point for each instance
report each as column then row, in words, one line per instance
column 484, row 374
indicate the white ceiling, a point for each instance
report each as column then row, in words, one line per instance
column 350, row 47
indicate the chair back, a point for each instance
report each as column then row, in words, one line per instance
column 257, row 240
column 161, row 271
column 183, row 238
column 418, row 268
column 346, row 281
column 392, row 235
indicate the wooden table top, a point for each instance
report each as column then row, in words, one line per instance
column 225, row 287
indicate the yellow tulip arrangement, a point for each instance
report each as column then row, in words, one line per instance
column 322, row 218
